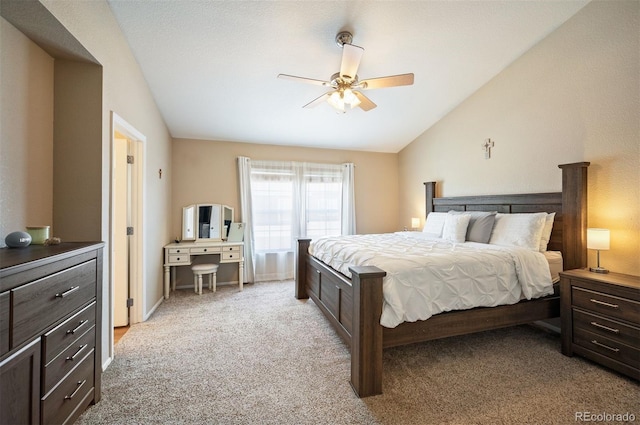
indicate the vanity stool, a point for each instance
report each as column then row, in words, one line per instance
column 198, row 271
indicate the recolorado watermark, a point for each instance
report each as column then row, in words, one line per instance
column 604, row 417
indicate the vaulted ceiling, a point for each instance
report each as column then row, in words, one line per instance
column 212, row 66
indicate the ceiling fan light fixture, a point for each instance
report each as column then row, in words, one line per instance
column 337, row 100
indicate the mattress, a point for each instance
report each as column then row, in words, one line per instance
column 427, row 276
column 554, row 258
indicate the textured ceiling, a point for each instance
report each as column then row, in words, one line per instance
column 212, row 66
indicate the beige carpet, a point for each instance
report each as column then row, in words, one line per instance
column 262, row 357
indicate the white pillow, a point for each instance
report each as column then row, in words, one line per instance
column 546, row 231
column 435, row 223
column 455, row 227
column 521, row 230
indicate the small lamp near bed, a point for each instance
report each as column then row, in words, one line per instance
column 415, row 223
column 598, row 239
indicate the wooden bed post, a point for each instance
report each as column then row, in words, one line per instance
column 301, row 272
column 574, row 214
column 430, row 193
column 366, row 331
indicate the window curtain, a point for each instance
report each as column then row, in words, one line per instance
column 348, row 199
column 244, row 177
column 287, row 200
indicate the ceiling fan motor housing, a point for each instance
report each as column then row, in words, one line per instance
column 343, row 37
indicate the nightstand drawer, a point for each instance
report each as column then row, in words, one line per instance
column 608, row 305
column 607, row 347
column 617, row 331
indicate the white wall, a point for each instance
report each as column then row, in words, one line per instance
column 573, row 97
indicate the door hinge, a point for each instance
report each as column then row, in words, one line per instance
column 129, row 302
column 129, row 230
column 129, row 159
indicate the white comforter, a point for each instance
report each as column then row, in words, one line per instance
column 426, row 276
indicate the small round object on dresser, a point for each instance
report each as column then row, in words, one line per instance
column 18, row 240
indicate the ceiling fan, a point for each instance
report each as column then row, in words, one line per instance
column 345, row 85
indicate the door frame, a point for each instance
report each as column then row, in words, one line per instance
column 138, row 143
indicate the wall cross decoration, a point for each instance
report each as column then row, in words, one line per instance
column 487, row 145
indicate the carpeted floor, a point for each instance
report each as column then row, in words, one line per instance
column 262, row 357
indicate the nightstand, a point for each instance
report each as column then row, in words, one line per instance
column 600, row 316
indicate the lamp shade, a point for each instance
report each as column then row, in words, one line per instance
column 598, row 239
column 415, row 222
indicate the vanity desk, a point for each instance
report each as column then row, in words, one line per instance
column 181, row 254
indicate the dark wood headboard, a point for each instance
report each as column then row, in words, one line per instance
column 569, row 234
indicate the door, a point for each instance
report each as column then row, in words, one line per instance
column 121, row 221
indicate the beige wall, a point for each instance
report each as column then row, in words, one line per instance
column 206, row 171
column 573, row 97
column 26, row 133
column 26, row 137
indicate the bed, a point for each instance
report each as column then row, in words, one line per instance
column 353, row 306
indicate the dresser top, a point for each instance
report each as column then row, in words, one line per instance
column 40, row 254
column 610, row 278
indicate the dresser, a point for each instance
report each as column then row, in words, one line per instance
column 182, row 254
column 600, row 316
column 50, row 332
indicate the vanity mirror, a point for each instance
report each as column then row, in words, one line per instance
column 206, row 222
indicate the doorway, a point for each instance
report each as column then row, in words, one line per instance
column 126, row 291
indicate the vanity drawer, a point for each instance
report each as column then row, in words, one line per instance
column 203, row 250
column 68, row 332
column 179, row 259
column 608, row 305
column 232, row 248
column 58, row 367
column 230, row 256
column 178, row 250
column 40, row 303
column 70, row 393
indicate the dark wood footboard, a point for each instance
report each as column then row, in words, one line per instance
column 354, row 306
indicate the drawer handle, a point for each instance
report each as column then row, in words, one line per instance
column 318, row 271
column 178, row 259
column 81, row 324
column 73, row 394
column 603, row 303
column 606, row 328
column 67, row 292
column 599, row 344
column 205, row 250
column 80, row 350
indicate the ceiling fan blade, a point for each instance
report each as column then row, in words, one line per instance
column 365, row 103
column 351, row 56
column 390, row 81
column 317, row 101
column 305, row 80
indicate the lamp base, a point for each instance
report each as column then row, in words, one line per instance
column 598, row 270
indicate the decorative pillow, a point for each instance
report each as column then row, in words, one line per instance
column 435, row 223
column 522, row 230
column 480, row 225
column 546, row 231
column 455, row 227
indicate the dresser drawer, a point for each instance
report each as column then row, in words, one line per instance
column 230, row 256
column 203, row 250
column 5, row 303
column 608, row 305
column 607, row 347
column 178, row 250
column 58, row 367
column 612, row 329
column 71, row 393
column 47, row 300
column 68, row 332
column 177, row 259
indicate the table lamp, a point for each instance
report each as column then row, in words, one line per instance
column 598, row 239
